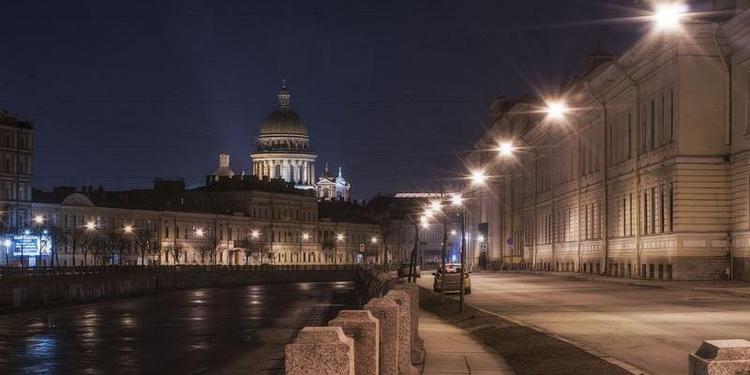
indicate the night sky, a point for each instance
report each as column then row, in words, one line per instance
column 396, row 92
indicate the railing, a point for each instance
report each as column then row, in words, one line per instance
column 42, row 272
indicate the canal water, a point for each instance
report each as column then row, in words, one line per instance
column 240, row 330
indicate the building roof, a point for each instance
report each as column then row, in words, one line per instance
column 7, row 119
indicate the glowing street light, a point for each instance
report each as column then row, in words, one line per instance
column 199, row 232
column 90, row 225
column 435, row 205
column 668, row 16
column 480, row 238
column 556, row 109
column 457, row 199
column 128, row 229
column 38, row 219
column 340, row 237
column 374, row 239
column 305, row 236
column 478, row 177
column 255, row 234
column 505, row 149
column 453, row 232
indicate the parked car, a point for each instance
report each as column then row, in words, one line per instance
column 403, row 270
column 452, row 274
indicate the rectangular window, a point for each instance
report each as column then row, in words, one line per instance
column 630, row 214
column 671, row 208
column 645, row 212
column 653, row 210
column 652, row 125
column 624, row 216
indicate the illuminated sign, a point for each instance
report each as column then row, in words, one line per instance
column 29, row 245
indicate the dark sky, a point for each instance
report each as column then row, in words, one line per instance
column 121, row 92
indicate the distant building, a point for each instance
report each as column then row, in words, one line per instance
column 283, row 149
column 16, row 155
column 332, row 187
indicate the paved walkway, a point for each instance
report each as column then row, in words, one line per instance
column 451, row 350
column 651, row 325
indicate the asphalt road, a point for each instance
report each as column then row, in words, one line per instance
column 653, row 329
column 239, row 330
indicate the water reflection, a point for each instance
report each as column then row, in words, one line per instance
column 232, row 330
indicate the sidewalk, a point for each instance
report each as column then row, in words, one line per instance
column 451, row 350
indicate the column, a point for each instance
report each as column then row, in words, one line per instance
column 305, row 165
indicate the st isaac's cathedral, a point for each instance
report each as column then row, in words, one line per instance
column 283, row 150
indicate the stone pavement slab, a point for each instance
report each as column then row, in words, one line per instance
column 451, row 350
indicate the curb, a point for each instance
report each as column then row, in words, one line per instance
column 612, row 360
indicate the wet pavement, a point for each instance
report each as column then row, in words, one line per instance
column 239, row 330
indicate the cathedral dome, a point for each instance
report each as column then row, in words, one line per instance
column 283, row 121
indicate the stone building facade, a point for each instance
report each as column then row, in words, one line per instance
column 219, row 227
column 16, row 157
column 645, row 177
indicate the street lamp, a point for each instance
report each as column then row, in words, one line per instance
column 7, row 244
column 556, row 109
column 505, row 149
column 339, row 238
column 668, row 16
column 457, row 200
column 90, row 225
column 199, row 232
column 38, row 219
column 305, row 237
column 478, row 177
column 128, row 229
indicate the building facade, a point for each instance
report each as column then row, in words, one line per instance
column 16, row 171
column 646, row 176
column 254, row 227
column 332, row 187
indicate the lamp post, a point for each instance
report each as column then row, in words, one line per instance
column 339, row 238
column 254, row 235
column 7, row 244
column 38, row 223
column 305, row 237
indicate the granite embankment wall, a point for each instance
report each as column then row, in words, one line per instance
column 34, row 290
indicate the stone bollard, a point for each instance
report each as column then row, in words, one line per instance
column 417, row 346
column 404, row 330
column 721, row 357
column 319, row 351
column 386, row 311
column 364, row 329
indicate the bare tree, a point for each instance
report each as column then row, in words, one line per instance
column 90, row 242
column 175, row 250
column 57, row 236
column 115, row 242
column 75, row 236
column 145, row 242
